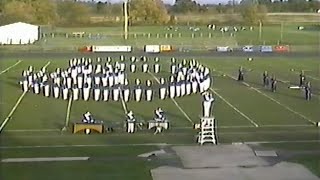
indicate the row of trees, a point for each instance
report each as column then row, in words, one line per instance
column 71, row 12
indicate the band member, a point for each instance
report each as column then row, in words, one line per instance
column 65, row 92
column 173, row 67
column 149, row 91
column 88, row 80
column 207, row 104
column 145, row 67
column 307, row 90
column 195, row 86
column 240, row 74
column 156, row 66
column 80, row 80
column 105, row 94
column 111, row 79
column 178, row 88
column 188, row 87
column 36, row 87
column 97, row 78
column 75, row 92
column 183, row 88
column 87, row 118
column 159, row 118
column 116, row 93
column 104, row 80
column 163, row 89
column 69, row 82
column 126, row 91
column 122, row 65
column 159, row 115
column 137, row 91
column 46, row 89
column 302, row 79
column 86, row 92
column 133, row 65
column 56, row 91
column 265, row 79
column 273, row 84
column 130, row 122
column 172, row 87
column 24, row 84
column 97, row 92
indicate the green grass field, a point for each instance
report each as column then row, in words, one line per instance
column 285, row 120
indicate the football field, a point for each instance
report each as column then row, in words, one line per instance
column 246, row 112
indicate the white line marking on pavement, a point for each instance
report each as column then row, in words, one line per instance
column 15, row 107
column 274, row 100
column 236, row 109
column 174, row 101
column 4, row 71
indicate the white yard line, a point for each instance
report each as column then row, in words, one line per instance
column 178, row 127
column 174, row 101
column 68, row 111
column 272, row 99
column 4, row 71
column 6, row 120
column 124, row 106
column 236, row 109
column 149, row 144
column 43, row 159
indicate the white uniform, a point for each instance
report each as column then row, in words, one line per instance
column 130, row 122
column 133, row 68
column 116, row 94
column 97, row 79
column 145, row 67
column 163, row 92
column 24, row 85
column 172, row 90
column 207, row 104
column 89, row 81
column 69, row 82
column 183, row 88
column 36, row 88
column 65, row 92
column 173, row 68
column 122, row 66
column 178, row 89
column 86, row 92
column 80, row 81
column 56, row 91
column 105, row 94
column 75, row 93
column 156, row 68
column 105, row 81
column 46, row 89
column 194, row 86
column 126, row 93
column 149, row 93
column 188, row 88
column 97, row 92
column 138, row 93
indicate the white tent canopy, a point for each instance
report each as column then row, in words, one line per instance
column 19, row 33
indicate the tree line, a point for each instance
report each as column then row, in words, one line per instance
column 73, row 12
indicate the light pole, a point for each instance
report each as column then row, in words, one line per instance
column 126, row 19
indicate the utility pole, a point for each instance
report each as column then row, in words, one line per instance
column 281, row 31
column 125, row 11
column 260, row 30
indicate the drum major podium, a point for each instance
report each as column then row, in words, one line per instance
column 207, row 132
